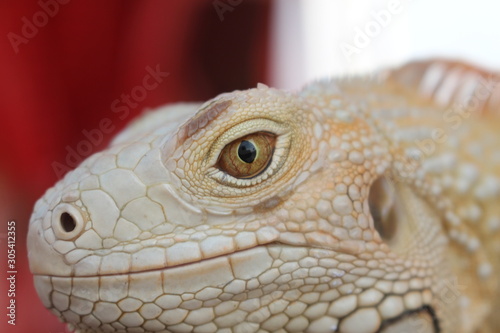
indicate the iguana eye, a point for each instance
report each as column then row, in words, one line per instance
column 248, row 156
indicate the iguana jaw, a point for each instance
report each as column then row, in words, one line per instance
column 148, row 286
column 263, row 274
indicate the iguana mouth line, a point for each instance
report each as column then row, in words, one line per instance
column 165, row 268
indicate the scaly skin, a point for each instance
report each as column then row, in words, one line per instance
column 375, row 211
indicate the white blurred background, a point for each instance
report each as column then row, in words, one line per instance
column 317, row 38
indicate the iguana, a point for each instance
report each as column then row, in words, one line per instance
column 359, row 204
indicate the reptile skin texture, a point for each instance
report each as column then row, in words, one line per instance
column 362, row 204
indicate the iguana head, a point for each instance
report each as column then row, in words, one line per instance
column 258, row 210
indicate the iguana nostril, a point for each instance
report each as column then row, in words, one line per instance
column 67, row 222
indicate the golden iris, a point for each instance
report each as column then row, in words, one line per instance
column 248, row 156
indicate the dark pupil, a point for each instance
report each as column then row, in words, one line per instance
column 67, row 222
column 247, row 151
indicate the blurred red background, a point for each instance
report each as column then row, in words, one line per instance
column 62, row 65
